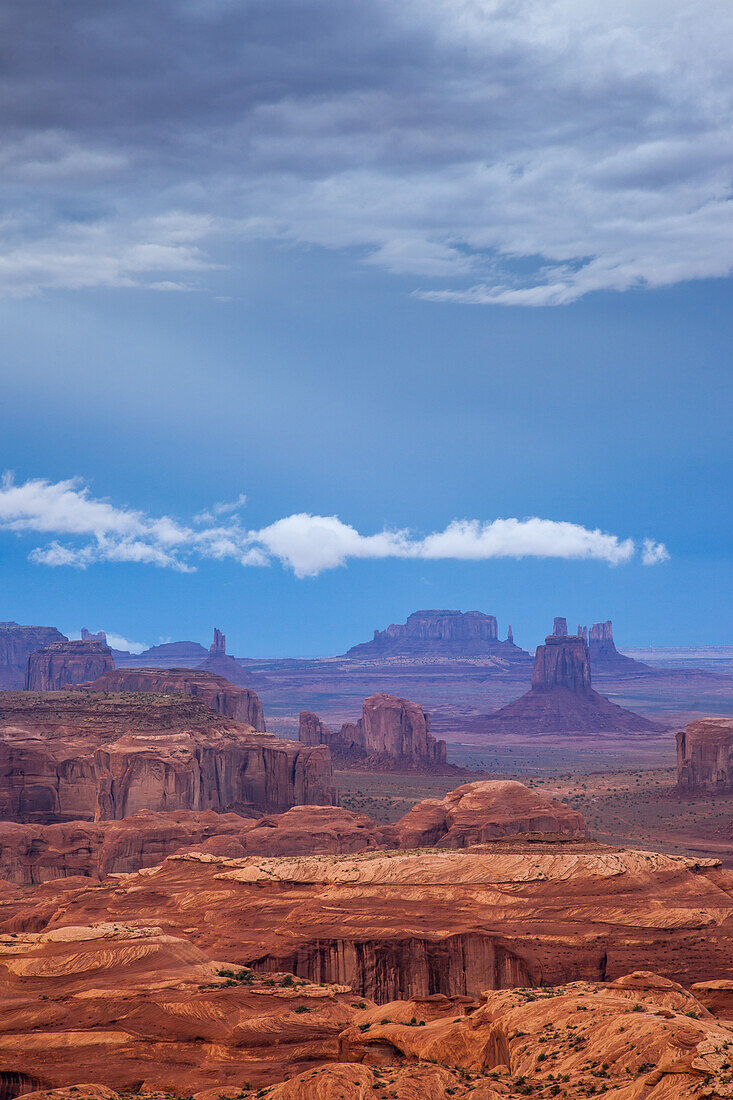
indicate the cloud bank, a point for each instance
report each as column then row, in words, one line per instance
column 509, row 152
column 95, row 530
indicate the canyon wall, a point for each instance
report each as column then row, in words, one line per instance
column 83, row 755
column 65, row 664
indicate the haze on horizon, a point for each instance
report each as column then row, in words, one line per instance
column 316, row 314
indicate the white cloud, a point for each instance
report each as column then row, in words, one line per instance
column 307, row 544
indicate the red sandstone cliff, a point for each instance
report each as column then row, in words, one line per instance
column 390, row 729
column 440, row 633
column 16, row 645
column 90, row 756
column 65, row 664
column 705, row 756
column 239, row 703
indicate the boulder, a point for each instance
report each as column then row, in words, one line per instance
column 705, row 756
column 239, row 703
column 64, row 664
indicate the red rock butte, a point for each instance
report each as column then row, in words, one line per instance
column 561, row 699
column 705, row 756
column 62, row 665
column 16, row 645
column 391, row 730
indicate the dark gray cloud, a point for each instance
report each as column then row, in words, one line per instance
column 438, row 138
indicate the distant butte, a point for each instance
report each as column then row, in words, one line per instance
column 64, row 664
column 441, row 634
column 604, row 656
column 561, row 699
column 391, row 732
column 219, row 662
column 16, row 645
column 705, row 756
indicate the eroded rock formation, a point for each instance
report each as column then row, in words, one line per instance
column 87, row 636
column 239, row 703
column 32, row 854
column 16, row 645
column 440, row 633
column 390, row 730
column 604, row 656
column 705, row 756
column 422, row 923
column 93, row 756
column 561, row 699
column 64, row 664
column 170, row 655
column 479, row 812
column 219, row 662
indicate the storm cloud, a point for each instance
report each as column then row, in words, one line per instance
column 516, row 152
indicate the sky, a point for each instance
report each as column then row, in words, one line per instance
column 315, row 314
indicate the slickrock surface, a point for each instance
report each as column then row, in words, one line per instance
column 239, row 703
column 32, row 854
column 16, row 645
column 705, row 756
column 440, row 633
column 561, row 699
column 89, row 756
column 390, row 730
column 394, row 924
column 65, row 664
column 479, row 812
column 132, row 1007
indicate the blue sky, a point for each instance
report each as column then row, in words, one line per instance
column 414, row 268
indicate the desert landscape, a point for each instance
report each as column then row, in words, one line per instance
column 195, row 904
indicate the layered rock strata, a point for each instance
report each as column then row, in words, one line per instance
column 439, row 633
column 93, row 756
column 390, row 730
column 705, row 756
column 65, row 664
column 16, row 645
column 239, row 703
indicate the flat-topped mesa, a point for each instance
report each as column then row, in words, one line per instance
column 240, row 703
column 87, row 636
column 16, row 645
column 96, row 756
column 66, row 664
column 390, row 729
column 705, row 756
column 563, row 661
column 440, row 633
